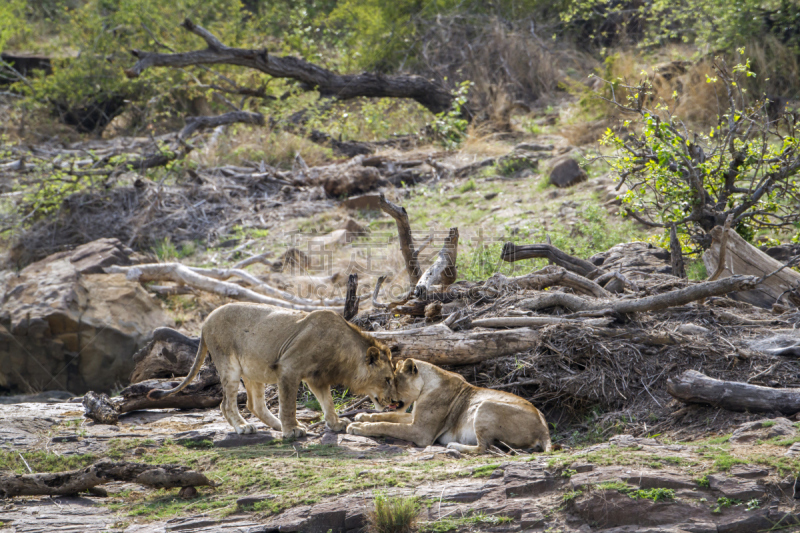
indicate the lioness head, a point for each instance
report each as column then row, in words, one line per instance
column 408, row 383
column 380, row 381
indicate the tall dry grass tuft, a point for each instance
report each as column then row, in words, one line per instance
column 393, row 515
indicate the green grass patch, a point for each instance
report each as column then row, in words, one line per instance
column 484, row 471
column 41, row 462
column 393, row 515
column 455, row 524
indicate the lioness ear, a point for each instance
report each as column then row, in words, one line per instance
column 373, row 354
column 409, row 367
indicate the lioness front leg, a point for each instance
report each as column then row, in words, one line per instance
column 394, row 416
column 323, row 395
column 287, row 399
column 417, row 435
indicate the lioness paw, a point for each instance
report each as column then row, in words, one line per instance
column 246, row 429
column 355, row 428
column 362, row 417
column 341, row 425
column 294, row 433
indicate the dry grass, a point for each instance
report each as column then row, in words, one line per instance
column 393, row 515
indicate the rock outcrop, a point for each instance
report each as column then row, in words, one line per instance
column 65, row 325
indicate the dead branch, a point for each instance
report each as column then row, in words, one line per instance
column 179, row 273
column 639, row 305
column 511, row 252
column 311, row 76
column 260, row 258
column 194, row 124
column 99, row 408
column 375, row 303
column 723, row 249
column 351, row 301
column 443, row 270
column 695, row 387
column 410, row 255
column 75, row 481
column 549, row 276
column 532, row 321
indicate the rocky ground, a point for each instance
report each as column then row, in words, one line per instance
column 741, row 482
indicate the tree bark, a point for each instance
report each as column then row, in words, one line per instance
column 532, row 321
column 351, row 301
column 745, row 259
column 75, row 481
column 443, row 270
column 99, row 408
column 695, row 387
column 399, row 214
column 511, row 252
column 312, row 77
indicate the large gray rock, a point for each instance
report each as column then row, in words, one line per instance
column 763, row 430
column 566, row 172
column 66, row 326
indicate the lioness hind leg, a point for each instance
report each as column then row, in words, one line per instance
column 513, row 425
column 258, row 406
column 230, row 409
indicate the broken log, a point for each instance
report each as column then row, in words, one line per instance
column 75, row 481
column 511, row 252
column 432, row 96
column 410, row 255
column 742, row 258
column 674, row 298
column 695, row 387
column 443, row 270
column 99, row 408
column 676, row 253
column 168, row 354
column 182, row 274
column 351, row 301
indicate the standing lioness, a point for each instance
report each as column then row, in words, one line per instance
column 450, row 411
column 262, row 344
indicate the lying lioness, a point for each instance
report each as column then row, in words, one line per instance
column 262, row 344
column 450, row 411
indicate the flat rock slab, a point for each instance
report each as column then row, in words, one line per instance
column 736, row 488
column 650, row 479
column 752, row 432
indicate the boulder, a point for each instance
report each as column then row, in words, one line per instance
column 353, row 180
column 763, row 430
column 365, row 202
column 566, row 172
column 66, row 326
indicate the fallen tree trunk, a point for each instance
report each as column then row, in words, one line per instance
column 75, row 481
column 743, row 258
column 695, row 387
column 638, row 305
column 531, row 321
column 443, row 270
column 511, row 252
column 179, row 273
column 313, row 77
column 440, row 345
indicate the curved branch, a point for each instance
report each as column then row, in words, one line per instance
column 343, row 87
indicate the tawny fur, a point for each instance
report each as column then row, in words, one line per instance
column 450, row 411
column 262, row 345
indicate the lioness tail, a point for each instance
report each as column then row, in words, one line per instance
column 202, row 352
